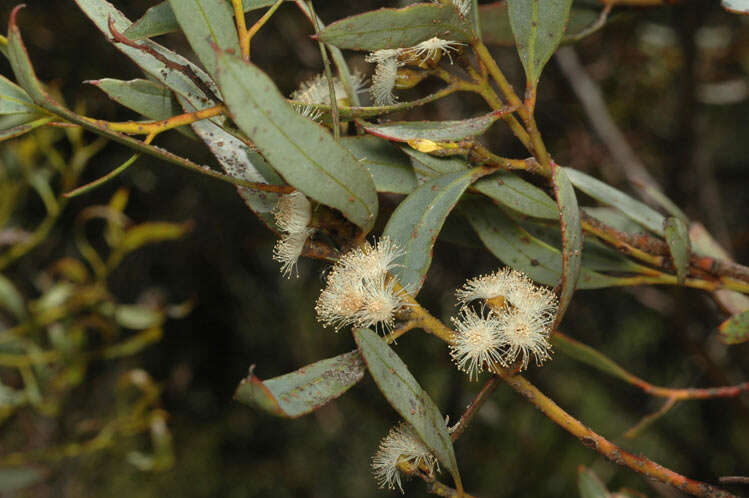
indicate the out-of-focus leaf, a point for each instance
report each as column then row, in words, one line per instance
column 17, row 478
column 417, row 221
column 736, row 329
column 137, row 317
column 632, row 208
column 572, row 237
column 304, row 390
column 207, row 23
column 406, row 396
column 11, row 299
column 517, row 248
column 160, row 19
column 394, row 28
column 586, row 354
column 496, row 29
column 736, row 6
column 300, row 150
column 14, row 99
column 234, row 156
column 152, row 232
column 613, row 218
column 15, row 125
column 438, row 131
column 590, row 485
column 677, row 237
column 509, row 189
column 538, row 26
column 390, row 168
column 649, row 419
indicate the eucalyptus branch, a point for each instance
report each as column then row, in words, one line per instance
column 465, row 420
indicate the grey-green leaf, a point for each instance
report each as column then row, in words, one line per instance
column 160, row 19
column 395, row 28
column 509, row 189
column 517, row 248
column 538, row 26
column 305, row 390
column 14, row 99
column 590, row 485
column 677, row 237
column 572, row 237
column 390, row 168
column 416, row 223
column 300, row 150
column 406, row 396
column 736, row 329
column 207, row 23
column 438, row 131
column 632, row 208
column 145, row 97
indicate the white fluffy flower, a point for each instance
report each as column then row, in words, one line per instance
column 400, row 444
column 385, row 75
column 477, row 344
column 463, row 6
column 429, row 49
column 317, row 91
column 524, row 313
column 293, row 214
column 359, row 291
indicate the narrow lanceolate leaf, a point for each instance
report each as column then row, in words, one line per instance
column 406, row 396
column 145, row 97
column 572, row 237
column 438, row 131
column 632, row 208
column 677, row 237
column 586, row 354
column 14, row 99
column 517, row 248
column 509, row 189
column 390, row 168
column 538, row 26
column 590, row 485
column 735, row 329
column 300, row 150
column 736, row 6
column 207, row 23
column 304, row 390
column 416, row 223
column 395, row 28
column 160, row 19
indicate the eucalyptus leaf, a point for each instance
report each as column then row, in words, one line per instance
column 417, row 221
column 736, row 329
column 677, row 238
column 390, row 168
column 305, row 390
column 396, row 28
column 14, row 99
column 589, row 485
column 538, row 26
column 300, row 150
column 572, row 237
column 510, row 190
column 160, row 19
column 632, row 208
column 13, row 479
column 438, row 131
column 406, row 396
column 11, row 299
column 517, row 248
column 590, row 356
column 149, row 99
column 207, row 23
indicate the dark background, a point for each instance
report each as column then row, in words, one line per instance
column 652, row 65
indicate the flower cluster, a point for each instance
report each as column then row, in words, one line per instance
column 359, row 291
column 400, row 445
column 292, row 213
column 391, row 59
column 317, row 91
column 514, row 323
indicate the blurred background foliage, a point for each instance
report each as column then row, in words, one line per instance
column 675, row 79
